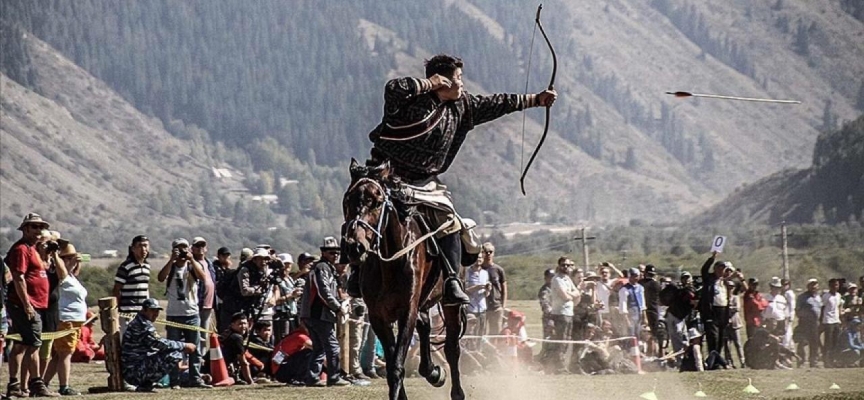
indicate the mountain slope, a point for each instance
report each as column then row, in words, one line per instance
column 80, row 155
column 309, row 75
column 830, row 191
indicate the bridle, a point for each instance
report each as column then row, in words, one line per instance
column 385, row 207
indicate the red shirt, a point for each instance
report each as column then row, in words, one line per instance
column 290, row 345
column 24, row 259
column 754, row 304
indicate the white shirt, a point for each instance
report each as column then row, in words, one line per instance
column 561, row 304
column 73, row 300
column 778, row 307
column 721, row 295
column 604, row 289
column 790, row 300
column 831, row 308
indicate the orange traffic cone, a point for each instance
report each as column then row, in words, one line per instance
column 218, row 369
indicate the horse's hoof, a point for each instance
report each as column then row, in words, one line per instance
column 438, row 377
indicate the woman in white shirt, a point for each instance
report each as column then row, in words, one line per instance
column 73, row 313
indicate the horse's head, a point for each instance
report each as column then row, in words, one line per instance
column 365, row 209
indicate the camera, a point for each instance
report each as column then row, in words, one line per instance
column 52, row 246
column 359, row 310
column 183, row 254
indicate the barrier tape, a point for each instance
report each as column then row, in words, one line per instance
column 53, row 335
column 162, row 321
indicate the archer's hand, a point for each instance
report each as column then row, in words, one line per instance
column 439, row 82
column 546, row 98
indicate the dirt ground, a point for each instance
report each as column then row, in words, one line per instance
column 532, row 385
column 526, row 384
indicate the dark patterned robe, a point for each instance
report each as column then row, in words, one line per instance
column 420, row 135
column 145, row 356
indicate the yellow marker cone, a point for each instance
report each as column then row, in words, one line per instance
column 834, row 386
column 648, row 395
column 793, row 386
column 700, row 393
column 750, row 389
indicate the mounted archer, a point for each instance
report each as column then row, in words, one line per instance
column 425, row 124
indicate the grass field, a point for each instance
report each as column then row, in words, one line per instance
column 526, row 384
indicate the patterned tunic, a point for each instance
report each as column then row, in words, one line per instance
column 146, row 357
column 421, row 135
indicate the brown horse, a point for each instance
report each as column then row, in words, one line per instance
column 397, row 290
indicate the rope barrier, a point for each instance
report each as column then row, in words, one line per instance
column 53, row 335
column 162, row 321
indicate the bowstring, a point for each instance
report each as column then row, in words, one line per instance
column 527, row 79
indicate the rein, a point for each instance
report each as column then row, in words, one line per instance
column 382, row 219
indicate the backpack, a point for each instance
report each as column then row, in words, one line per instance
column 668, row 295
column 228, row 286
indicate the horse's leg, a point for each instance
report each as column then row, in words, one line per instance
column 403, row 341
column 384, row 331
column 453, row 323
column 433, row 373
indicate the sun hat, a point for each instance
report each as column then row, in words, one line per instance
column 330, row 244
column 33, row 218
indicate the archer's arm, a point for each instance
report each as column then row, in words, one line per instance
column 491, row 107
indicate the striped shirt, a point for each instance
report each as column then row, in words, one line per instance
column 135, row 279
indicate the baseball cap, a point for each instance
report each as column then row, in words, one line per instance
column 635, row 272
column 139, row 239
column 285, row 258
column 650, row 269
column 180, row 242
column 223, row 251
column 198, row 239
column 151, row 304
column 549, row 272
column 303, row 257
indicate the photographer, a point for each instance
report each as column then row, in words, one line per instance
column 182, row 274
column 288, row 291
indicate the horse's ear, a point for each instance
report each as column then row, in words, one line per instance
column 357, row 170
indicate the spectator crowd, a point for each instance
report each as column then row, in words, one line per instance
column 275, row 320
column 694, row 323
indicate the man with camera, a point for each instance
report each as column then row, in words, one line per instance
column 27, row 302
column 319, row 310
column 182, row 274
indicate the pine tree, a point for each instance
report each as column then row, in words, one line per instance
column 802, row 40
column 859, row 103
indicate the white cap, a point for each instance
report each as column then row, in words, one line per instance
column 180, row 242
column 286, row 258
column 259, row 252
column 198, row 239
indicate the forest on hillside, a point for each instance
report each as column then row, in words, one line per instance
column 288, row 91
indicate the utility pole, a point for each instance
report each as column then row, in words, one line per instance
column 584, row 239
column 783, row 236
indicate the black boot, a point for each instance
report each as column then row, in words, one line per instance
column 454, row 295
column 451, row 252
column 353, row 286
